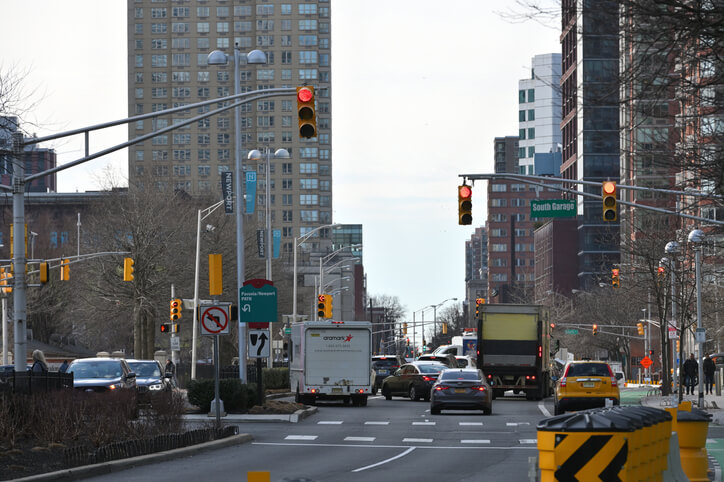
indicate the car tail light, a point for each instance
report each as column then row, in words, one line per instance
column 360, row 390
column 563, row 382
column 527, row 377
column 614, row 381
column 313, row 390
column 490, row 376
column 480, row 388
column 428, row 379
column 540, row 351
column 441, row 387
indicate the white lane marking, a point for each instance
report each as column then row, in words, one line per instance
column 417, row 440
column 300, row 437
column 329, row 422
column 377, row 423
column 543, row 410
column 385, row 461
column 359, row 439
column 475, row 441
column 477, row 424
column 424, row 423
column 528, row 441
column 515, row 424
column 436, row 447
column 710, row 441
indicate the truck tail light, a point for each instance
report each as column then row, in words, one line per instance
column 540, row 351
column 313, row 390
column 360, row 390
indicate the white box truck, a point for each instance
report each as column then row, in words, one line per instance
column 331, row 360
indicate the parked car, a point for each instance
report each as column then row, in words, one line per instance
column 102, row 374
column 150, row 376
column 585, row 384
column 384, row 366
column 446, row 359
column 461, row 389
column 412, row 380
column 465, row 361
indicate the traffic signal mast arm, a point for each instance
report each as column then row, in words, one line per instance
column 555, row 183
column 58, row 262
column 599, row 326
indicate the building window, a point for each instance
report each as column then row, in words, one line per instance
column 531, row 95
column 521, row 116
column 531, row 133
column 521, row 96
column 531, row 114
column 521, row 134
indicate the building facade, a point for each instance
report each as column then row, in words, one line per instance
column 476, row 272
column 168, row 45
column 35, row 159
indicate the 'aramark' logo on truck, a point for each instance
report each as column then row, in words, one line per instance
column 338, row 338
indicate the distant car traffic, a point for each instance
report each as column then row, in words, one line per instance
column 465, row 361
column 461, row 389
column 384, row 366
column 446, row 359
column 102, row 374
column 585, row 384
column 150, row 376
column 412, row 380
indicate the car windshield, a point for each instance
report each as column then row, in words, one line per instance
column 462, row 362
column 589, row 369
column 431, row 368
column 145, row 369
column 99, row 369
column 385, row 363
column 459, row 375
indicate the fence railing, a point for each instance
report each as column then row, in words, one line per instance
column 30, row 382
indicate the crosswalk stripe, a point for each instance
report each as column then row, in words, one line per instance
column 329, row 422
column 377, row 423
column 359, row 439
column 417, row 440
column 528, row 441
column 478, row 424
column 424, row 423
column 475, row 441
column 300, row 437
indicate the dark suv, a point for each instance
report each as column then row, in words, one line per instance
column 102, row 374
column 384, row 366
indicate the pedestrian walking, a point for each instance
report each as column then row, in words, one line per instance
column 691, row 371
column 39, row 363
column 63, row 367
column 709, row 369
column 170, row 371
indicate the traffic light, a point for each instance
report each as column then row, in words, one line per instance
column 165, row 327
column 478, row 302
column 640, row 328
column 465, row 205
column 128, row 269
column 660, row 274
column 215, row 275
column 595, row 329
column 444, row 328
column 175, row 309
column 65, row 269
column 306, row 112
column 608, row 194
column 324, row 306
column 43, row 272
column 651, row 353
column 614, row 277
column 404, row 328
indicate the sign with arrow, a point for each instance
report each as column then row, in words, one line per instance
column 214, row 320
column 259, row 344
column 258, row 302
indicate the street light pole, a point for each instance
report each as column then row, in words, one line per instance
column 696, row 237
column 672, row 249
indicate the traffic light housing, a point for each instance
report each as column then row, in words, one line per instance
column 165, row 327
column 608, row 195
column 640, row 328
column 404, row 328
column 128, row 269
column 175, row 307
column 595, row 329
column 444, row 328
column 651, row 353
column 478, row 302
column 5, row 276
column 465, row 205
column 615, row 282
column 43, row 272
column 324, row 306
column 306, row 112
column 65, row 269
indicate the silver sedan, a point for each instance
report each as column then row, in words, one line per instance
column 461, row 389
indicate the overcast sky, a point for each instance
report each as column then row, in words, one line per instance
column 420, row 89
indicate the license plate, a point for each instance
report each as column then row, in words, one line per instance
column 588, row 385
column 383, row 372
column 336, row 390
column 459, row 390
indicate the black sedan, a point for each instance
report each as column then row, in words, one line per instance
column 102, row 374
column 413, row 380
column 150, row 376
column 461, row 389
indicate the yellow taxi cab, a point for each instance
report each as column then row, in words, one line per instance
column 585, row 384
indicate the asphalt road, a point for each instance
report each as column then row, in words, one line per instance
column 386, row 440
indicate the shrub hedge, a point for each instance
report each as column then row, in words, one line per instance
column 236, row 396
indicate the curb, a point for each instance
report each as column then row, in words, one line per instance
column 119, row 465
column 234, row 418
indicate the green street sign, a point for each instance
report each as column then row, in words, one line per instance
column 257, row 305
column 571, row 331
column 287, row 331
column 553, row 208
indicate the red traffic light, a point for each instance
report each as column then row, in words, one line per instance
column 304, row 95
column 465, row 192
column 609, row 187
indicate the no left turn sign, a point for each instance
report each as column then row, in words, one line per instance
column 215, row 321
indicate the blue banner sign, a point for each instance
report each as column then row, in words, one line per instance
column 250, row 192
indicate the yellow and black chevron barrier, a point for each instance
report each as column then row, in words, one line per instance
column 608, row 444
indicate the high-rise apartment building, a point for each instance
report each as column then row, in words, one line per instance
column 539, row 111
column 590, row 135
column 168, row 45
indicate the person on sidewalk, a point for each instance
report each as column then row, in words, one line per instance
column 39, row 363
column 709, row 369
column 691, row 370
